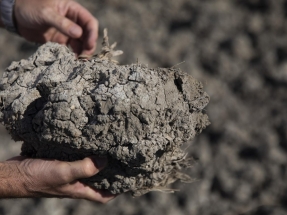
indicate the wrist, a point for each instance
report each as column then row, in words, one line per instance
column 12, row 183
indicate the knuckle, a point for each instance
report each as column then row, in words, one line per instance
column 72, row 5
column 46, row 11
column 63, row 172
column 64, row 23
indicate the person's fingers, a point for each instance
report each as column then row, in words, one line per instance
column 102, row 196
column 83, row 168
column 89, row 39
column 79, row 190
column 62, row 24
column 60, row 38
column 76, row 46
column 90, row 35
column 88, row 23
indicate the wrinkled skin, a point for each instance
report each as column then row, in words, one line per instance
column 25, row 177
column 65, row 22
column 62, row 21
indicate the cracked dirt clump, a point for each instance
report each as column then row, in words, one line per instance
column 67, row 109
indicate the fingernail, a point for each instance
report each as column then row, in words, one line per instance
column 75, row 31
column 101, row 162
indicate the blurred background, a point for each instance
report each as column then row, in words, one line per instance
column 238, row 50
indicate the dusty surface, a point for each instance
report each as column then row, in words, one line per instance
column 68, row 109
column 237, row 49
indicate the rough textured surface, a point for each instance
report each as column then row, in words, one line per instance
column 64, row 108
column 238, row 50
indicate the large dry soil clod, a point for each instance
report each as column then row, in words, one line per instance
column 65, row 108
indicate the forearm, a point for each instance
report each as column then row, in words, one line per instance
column 11, row 184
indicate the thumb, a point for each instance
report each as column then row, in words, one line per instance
column 87, row 167
column 63, row 24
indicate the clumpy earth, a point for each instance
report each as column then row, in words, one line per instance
column 238, row 50
column 67, row 109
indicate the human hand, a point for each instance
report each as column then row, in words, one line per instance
column 61, row 21
column 25, row 177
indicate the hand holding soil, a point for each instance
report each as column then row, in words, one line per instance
column 68, row 23
column 23, row 178
column 67, row 109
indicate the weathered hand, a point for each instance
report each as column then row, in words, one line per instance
column 62, row 21
column 25, row 177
